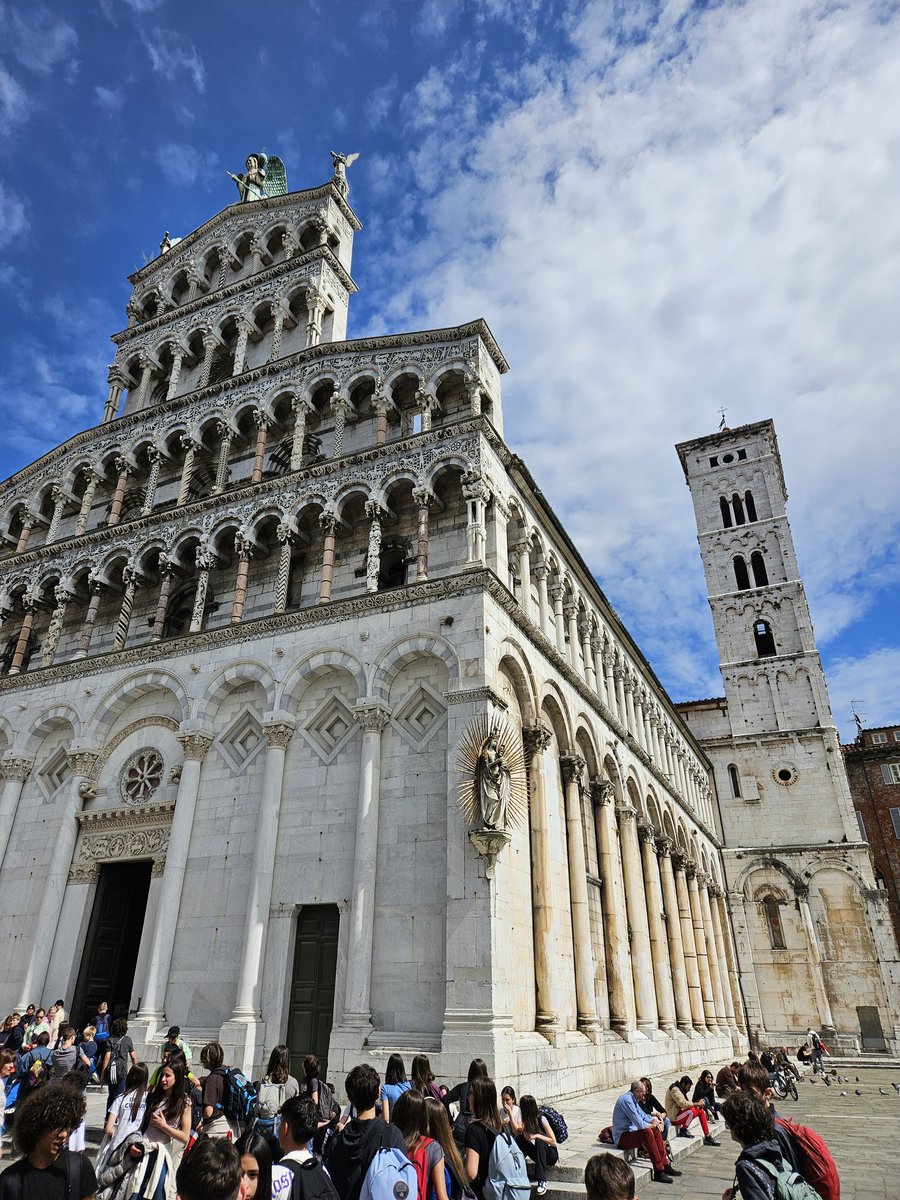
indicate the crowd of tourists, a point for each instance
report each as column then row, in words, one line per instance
column 214, row 1134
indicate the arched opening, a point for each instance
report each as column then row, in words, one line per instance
column 750, row 506
column 735, row 781
column 764, row 638
column 772, row 910
column 741, row 575
column 737, row 507
column 758, row 563
column 726, row 513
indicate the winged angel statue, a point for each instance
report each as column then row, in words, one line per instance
column 341, row 163
column 264, row 176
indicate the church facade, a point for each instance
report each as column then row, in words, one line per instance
column 249, row 620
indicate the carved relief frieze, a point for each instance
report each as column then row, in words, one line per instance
column 119, row 836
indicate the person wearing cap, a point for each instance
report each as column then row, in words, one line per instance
column 174, row 1038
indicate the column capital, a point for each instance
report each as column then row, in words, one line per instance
column 679, row 859
column 714, row 889
column 224, row 431
column 473, row 486
column 664, row 847
column 243, row 544
column 189, row 443
column 328, row 521
column 123, row 466
column 571, row 765
column 194, row 743
column 279, row 729
column 690, row 869
column 374, row 511
column 801, row 890
column 423, row 496
column 15, row 766
column 285, row 533
column 261, row 418
column 82, row 761
column 602, row 790
column 535, row 738
column 62, row 594
column 300, row 404
column 645, row 832
column 371, row 716
column 626, row 812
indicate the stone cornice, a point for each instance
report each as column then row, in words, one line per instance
column 127, row 818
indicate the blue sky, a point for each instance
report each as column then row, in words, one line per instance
column 660, row 208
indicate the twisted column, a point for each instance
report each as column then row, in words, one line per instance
column 302, row 410
column 190, row 447
column 673, row 930
column 90, row 617
column 277, row 333
column 572, row 766
column 129, row 580
column 167, row 574
column 115, row 509
column 659, row 947
column 84, row 512
column 698, row 1019
column 422, row 498
column 226, row 435
column 210, row 341
column 62, row 596
column 340, row 408
column 30, row 605
column 154, row 454
column 146, row 373
column 328, row 521
column 240, row 349
column 636, row 901
column 59, row 503
column 205, row 562
column 177, row 363
column 244, row 552
column 285, row 535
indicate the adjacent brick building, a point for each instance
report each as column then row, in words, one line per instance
column 873, row 768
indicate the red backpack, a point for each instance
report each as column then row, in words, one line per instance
column 419, row 1159
column 814, row 1160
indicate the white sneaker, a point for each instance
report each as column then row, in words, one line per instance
column 542, row 1189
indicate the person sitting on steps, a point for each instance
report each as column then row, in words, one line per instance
column 681, row 1112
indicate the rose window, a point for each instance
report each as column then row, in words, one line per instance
column 142, row 776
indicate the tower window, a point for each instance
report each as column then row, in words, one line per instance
column 895, row 819
column 758, row 563
column 765, row 641
column 890, row 773
column 726, row 512
column 735, row 781
column 772, row 909
column 750, row 506
column 741, row 575
column 737, row 506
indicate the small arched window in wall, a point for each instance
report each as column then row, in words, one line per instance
column 750, row 506
column 765, row 641
column 737, row 507
column 758, row 563
column 735, row 780
column 741, row 575
column 394, row 563
column 772, row 909
column 726, row 512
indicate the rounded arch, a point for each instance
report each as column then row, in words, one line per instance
column 514, row 660
column 397, row 656
column 553, row 703
column 834, row 864
column 130, row 688
column 230, row 678
column 49, row 721
column 770, row 863
column 586, row 746
column 316, row 664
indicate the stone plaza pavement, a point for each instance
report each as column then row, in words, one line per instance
column 861, row 1131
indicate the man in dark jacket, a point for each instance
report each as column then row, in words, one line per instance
column 760, row 1162
column 353, row 1149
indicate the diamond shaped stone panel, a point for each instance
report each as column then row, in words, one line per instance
column 242, row 741
column 420, row 715
column 330, row 728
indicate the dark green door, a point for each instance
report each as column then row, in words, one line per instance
column 113, row 940
column 311, row 1009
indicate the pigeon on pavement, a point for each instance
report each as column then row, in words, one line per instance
column 843, row 1093
column 827, row 1081
column 882, row 1092
column 858, row 1092
column 896, row 1087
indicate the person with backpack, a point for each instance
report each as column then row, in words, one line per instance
column 395, row 1084
column 322, row 1095
column 461, row 1096
column 263, row 1179
column 65, row 1056
column 48, row 1170
column 101, row 1023
column 308, row 1178
column 760, row 1172
column 126, row 1114
column 275, row 1088
column 817, row 1048
column 494, row 1163
column 118, row 1055
column 87, row 1050
column 218, row 1118
column 34, row 1068
column 423, row 1078
column 353, row 1150
column 537, row 1140
column 411, row 1118
column 440, row 1130
column 167, row 1114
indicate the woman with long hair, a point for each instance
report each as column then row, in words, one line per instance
column 705, row 1094
column 276, row 1086
column 167, row 1114
column 482, row 1131
column 411, row 1117
column 262, row 1178
column 423, row 1077
column 537, row 1140
column 439, row 1128
column 510, row 1112
column 127, row 1112
column 395, row 1084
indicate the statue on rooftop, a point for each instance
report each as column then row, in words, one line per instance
column 341, row 163
column 264, row 176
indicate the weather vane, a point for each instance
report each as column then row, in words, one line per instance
column 265, row 176
column 723, row 424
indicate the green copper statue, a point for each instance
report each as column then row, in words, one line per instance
column 264, row 176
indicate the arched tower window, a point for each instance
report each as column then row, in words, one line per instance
column 737, row 506
column 758, row 563
column 741, row 575
column 764, row 638
column 772, row 909
column 735, row 781
column 726, row 512
column 750, row 506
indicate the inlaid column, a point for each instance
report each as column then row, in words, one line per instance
column 429, row 406
column 144, row 386
column 277, row 333
column 422, row 497
column 618, row 955
column 698, row 1017
column 154, row 454
column 536, row 740
column 190, row 447
column 28, row 520
column 814, row 958
column 210, row 341
column 302, row 410
column 240, row 349
column 285, row 535
column 340, row 407
column 673, row 931
column 315, row 304
column 166, row 574
column 540, row 573
column 721, row 909
column 262, row 422
column 372, row 718
column 225, row 434
column 572, row 766
column 328, row 521
column 381, row 403
column 87, row 500
column 90, row 617
column 42, row 929
column 659, row 946
column 709, row 1004
column 29, row 603
column 117, row 384
column 244, row 552
column 559, row 621
column 115, row 509
column 62, row 596
column 641, row 959
column 205, row 563
column 194, row 744
column 373, row 550
column 571, row 612
column 523, row 557
column 14, row 770
column 587, row 658
column 129, row 583
column 60, row 496
column 279, row 728
column 473, row 396
column 475, row 494
column 175, row 374
column 712, row 951
column 721, row 953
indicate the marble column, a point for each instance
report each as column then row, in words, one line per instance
column 328, row 521
column 115, row 509
column 475, row 494
column 262, row 422
column 698, row 1018
column 210, row 341
column 572, row 624
column 30, row 605
column 713, row 953
column 541, row 572
column 244, row 552
column 673, row 930
column 194, row 744
column 190, row 447
column 341, row 408
column 641, row 958
column 14, row 770
column 117, row 384
column 572, row 766
column 814, row 958
column 129, row 585
column 226, row 435
column 659, row 946
column 59, row 503
column 587, row 658
column 166, row 573
column 709, row 1004
column 372, row 718
column 381, row 404
column 28, row 520
column 422, row 497
column 285, row 535
column 240, row 349
column 175, row 374
column 618, row 960
column 522, row 552
column 315, row 304
column 302, row 411
column 556, row 595
column 90, row 617
column 144, row 386
column 87, row 500
column 722, row 955
column 733, row 977
column 630, row 719
column 279, row 728
column 621, row 710
column 277, row 334
column 536, row 739
column 154, row 454
column 373, row 550
column 42, row 930
column 62, row 596
column 205, row 563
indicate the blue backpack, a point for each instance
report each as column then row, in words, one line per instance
column 239, row 1097
column 391, row 1176
column 556, row 1121
column 507, row 1178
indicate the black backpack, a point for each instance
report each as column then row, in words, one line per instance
column 118, row 1062
column 311, row 1181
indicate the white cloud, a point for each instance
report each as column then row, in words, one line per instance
column 109, row 99
column 13, row 216
column 700, row 214
column 144, row 6
column 870, row 685
column 184, row 165
column 172, row 54
column 14, row 102
column 40, row 40
column 380, row 101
